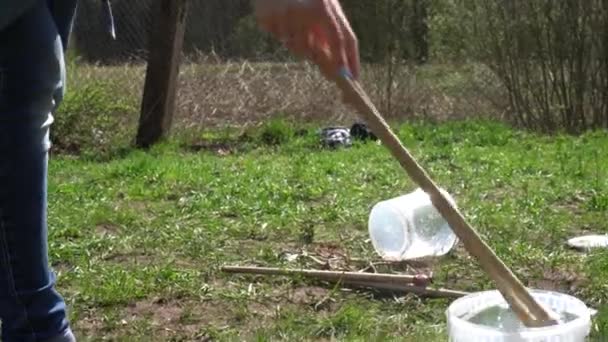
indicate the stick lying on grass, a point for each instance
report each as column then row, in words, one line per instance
column 383, row 282
column 334, row 275
column 418, row 290
column 522, row 303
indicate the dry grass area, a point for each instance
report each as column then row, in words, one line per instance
column 246, row 93
column 220, row 94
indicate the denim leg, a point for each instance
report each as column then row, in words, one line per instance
column 12, row 9
column 31, row 69
column 63, row 12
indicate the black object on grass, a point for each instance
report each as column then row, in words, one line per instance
column 337, row 136
column 360, row 131
column 334, row 137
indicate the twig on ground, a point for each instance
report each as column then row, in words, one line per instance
column 318, row 261
column 368, row 267
column 382, row 282
column 419, row 280
column 418, row 290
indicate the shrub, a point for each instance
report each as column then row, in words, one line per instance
column 552, row 56
column 91, row 117
column 276, row 132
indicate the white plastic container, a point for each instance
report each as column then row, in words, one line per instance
column 410, row 227
column 461, row 311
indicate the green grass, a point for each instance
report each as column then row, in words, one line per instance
column 138, row 239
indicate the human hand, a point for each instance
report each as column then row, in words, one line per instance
column 317, row 30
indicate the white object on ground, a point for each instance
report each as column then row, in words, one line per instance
column 588, row 242
column 410, row 227
column 575, row 328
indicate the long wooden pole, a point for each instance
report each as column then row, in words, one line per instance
column 419, row 290
column 384, row 282
column 158, row 101
column 333, row 275
column 520, row 300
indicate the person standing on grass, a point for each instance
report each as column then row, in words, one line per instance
column 33, row 39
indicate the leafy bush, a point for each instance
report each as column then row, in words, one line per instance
column 552, row 56
column 276, row 132
column 92, row 117
column 449, row 37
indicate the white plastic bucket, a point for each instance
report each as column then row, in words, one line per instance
column 460, row 329
column 410, row 227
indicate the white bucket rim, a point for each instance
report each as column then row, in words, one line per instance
column 583, row 320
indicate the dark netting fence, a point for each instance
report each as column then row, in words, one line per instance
column 234, row 74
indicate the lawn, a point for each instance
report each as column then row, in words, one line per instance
column 138, row 238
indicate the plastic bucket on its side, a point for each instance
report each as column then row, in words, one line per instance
column 462, row 330
column 410, row 227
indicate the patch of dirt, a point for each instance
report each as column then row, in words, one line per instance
column 462, row 280
column 219, row 147
column 88, row 326
column 561, row 280
column 193, row 319
column 307, row 295
column 165, row 318
column 334, row 256
column 106, row 229
column 160, row 312
column 140, row 206
column 573, row 205
column 460, row 275
column 248, row 248
column 180, row 318
column 329, row 250
column 496, row 195
column 137, row 258
column 267, row 311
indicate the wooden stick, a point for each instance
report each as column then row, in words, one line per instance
column 419, row 290
column 520, row 300
column 385, row 282
column 334, row 275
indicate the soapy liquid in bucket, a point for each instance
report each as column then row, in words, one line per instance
column 504, row 319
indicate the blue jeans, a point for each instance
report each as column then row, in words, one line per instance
column 31, row 86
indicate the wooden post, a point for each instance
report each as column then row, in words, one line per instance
column 158, row 102
column 420, row 30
